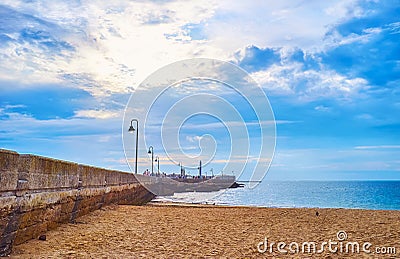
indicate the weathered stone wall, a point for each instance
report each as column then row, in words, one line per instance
column 38, row 194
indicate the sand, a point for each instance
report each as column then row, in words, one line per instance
column 201, row 231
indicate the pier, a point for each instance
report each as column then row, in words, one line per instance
column 38, row 194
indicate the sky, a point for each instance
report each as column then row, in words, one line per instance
column 330, row 70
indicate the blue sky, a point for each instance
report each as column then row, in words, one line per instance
column 331, row 71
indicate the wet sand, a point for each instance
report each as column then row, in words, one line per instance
column 201, row 231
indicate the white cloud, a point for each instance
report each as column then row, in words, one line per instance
column 322, row 108
column 117, row 44
column 345, row 9
column 288, row 23
column 97, row 114
column 394, row 27
column 193, row 139
column 308, row 84
column 14, row 106
column 365, row 116
column 336, row 39
column 378, row 147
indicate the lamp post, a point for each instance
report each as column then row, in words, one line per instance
column 151, row 151
column 199, row 169
column 132, row 129
column 182, row 170
column 158, row 165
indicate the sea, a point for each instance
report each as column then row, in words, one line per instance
column 373, row 195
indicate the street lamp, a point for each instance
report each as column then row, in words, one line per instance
column 182, row 170
column 158, row 165
column 151, row 151
column 132, row 129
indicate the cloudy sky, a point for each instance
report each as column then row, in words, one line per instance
column 331, row 71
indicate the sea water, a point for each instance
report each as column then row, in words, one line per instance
column 379, row 195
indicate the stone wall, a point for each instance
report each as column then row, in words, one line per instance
column 39, row 193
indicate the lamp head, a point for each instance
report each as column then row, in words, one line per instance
column 131, row 129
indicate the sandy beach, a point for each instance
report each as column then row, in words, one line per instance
column 202, row 231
